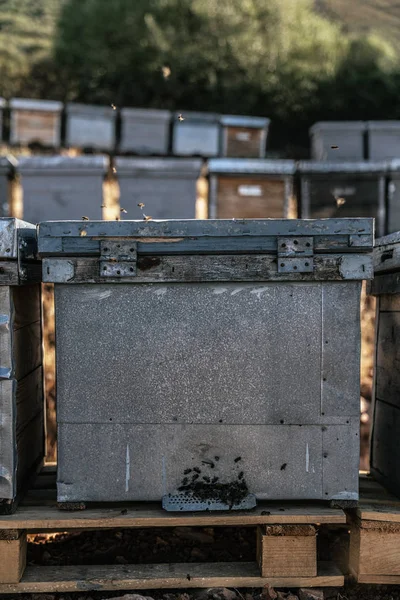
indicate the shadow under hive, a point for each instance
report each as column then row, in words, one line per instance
column 21, row 386
column 385, row 450
column 212, row 359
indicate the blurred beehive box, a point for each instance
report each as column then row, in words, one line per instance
column 2, row 105
column 385, row 447
column 344, row 189
column 90, row 126
column 145, row 131
column 383, row 140
column 7, row 166
column 62, row 187
column 21, row 385
column 166, row 186
column 251, row 188
column 36, row 121
column 337, row 140
column 196, row 135
column 244, row 137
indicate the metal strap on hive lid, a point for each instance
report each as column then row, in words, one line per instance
column 187, row 502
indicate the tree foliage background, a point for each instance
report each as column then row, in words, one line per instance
column 284, row 59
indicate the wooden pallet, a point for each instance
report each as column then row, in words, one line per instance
column 375, row 535
column 283, row 528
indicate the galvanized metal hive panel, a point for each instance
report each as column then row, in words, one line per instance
column 337, row 140
column 197, row 135
column 166, row 186
column 383, row 140
column 90, row 126
column 145, row 131
column 21, row 389
column 60, row 187
column 197, row 373
column 386, row 418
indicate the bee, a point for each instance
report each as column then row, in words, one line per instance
column 103, row 206
column 113, row 107
column 85, row 218
column 114, row 170
column 147, row 218
column 166, row 71
column 141, row 205
column 117, row 218
column 335, row 147
column 181, row 118
column 83, row 233
column 340, row 201
column 123, row 210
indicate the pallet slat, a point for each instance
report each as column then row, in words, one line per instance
column 151, row 515
column 128, row 577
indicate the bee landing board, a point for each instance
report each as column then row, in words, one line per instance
column 209, row 359
column 21, row 390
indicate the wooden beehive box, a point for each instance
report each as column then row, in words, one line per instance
column 35, row 121
column 2, row 105
column 343, row 189
column 337, row 140
column 251, row 189
column 21, row 385
column 91, row 127
column 145, row 131
column 244, row 137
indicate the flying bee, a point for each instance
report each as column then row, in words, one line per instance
column 181, row 118
column 85, row 218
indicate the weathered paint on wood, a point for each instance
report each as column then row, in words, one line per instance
column 208, row 268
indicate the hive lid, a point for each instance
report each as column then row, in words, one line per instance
column 40, row 105
column 326, row 167
column 387, row 126
column 35, row 165
column 252, row 166
column 91, row 110
column 151, row 167
column 342, row 126
column 236, row 236
column 146, row 113
column 195, row 117
column 242, row 121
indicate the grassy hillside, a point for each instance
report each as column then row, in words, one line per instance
column 380, row 16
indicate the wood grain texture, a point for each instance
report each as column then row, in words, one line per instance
column 151, row 515
column 379, row 553
column 287, row 555
column 135, row 577
column 12, row 559
column 243, row 142
column 266, row 201
column 171, row 269
column 88, row 246
column 34, row 126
